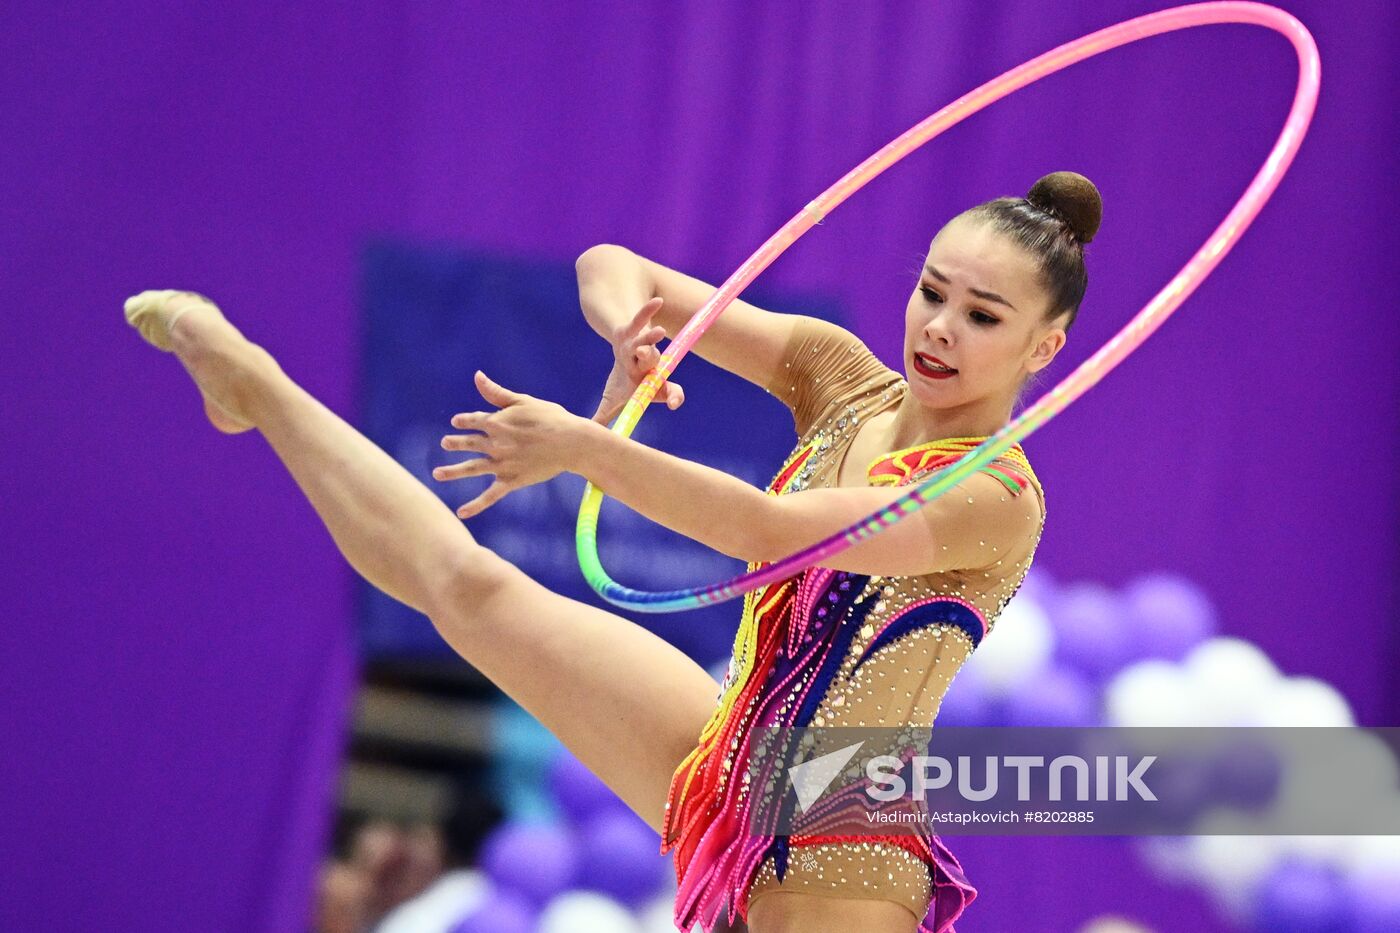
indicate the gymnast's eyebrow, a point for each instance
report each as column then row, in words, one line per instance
column 987, row 296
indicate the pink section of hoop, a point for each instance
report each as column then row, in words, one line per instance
column 1088, row 373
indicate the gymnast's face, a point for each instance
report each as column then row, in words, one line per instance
column 979, row 309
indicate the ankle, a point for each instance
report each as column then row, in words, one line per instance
column 253, row 377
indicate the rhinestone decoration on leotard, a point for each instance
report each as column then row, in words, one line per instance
column 829, row 648
column 869, row 868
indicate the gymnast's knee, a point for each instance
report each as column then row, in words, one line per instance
column 471, row 578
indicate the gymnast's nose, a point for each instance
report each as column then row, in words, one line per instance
column 937, row 330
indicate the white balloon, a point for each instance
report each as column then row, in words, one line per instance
column 1373, row 765
column 1306, row 701
column 1327, row 850
column 1222, row 660
column 1355, row 774
column 1113, row 924
column 1309, row 787
column 1149, row 693
column 1021, row 646
column 1373, row 856
column 1232, row 680
column 1170, row 857
column 454, row 895
column 655, row 916
column 1228, row 703
column 1232, row 866
column 586, row 912
column 1229, row 681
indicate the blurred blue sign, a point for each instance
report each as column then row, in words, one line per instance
column 432, row 316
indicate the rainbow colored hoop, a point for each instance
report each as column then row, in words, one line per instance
column 1057, row 399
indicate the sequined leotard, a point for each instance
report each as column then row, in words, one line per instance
column 832, row 648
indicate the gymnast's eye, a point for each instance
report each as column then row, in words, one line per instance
column 980, row 317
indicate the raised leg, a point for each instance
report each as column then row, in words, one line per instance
column 628, row 704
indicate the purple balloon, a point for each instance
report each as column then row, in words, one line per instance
column 1057, row 696
column 1091, row 630
column 1185, row 786
column 967, row 702
column 501, row 912
column 1376, row 895
column 621, row 857
column 1302, row 896
column 533, row 860
column 1246, row 773
column 1037, row 585
column 579, row 792
column 1168, row 615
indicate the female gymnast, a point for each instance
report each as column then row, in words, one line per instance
column 871, row 638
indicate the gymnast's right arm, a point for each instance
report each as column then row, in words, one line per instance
column 614, row 282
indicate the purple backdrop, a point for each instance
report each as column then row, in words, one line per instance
column 177, row 647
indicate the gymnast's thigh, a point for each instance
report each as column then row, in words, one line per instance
column 627, row 703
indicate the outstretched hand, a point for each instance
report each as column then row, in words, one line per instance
column 634, row 355
column 527, row 441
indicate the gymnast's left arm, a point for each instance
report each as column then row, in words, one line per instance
column 529, row 440
column 971, row 526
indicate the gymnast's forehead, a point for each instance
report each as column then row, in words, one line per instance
column 971, row 254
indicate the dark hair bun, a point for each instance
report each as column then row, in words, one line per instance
column 1071, row 197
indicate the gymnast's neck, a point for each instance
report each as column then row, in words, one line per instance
column 915, row 423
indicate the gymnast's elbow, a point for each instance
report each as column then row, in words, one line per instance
column 600, row 251
column 777, row 529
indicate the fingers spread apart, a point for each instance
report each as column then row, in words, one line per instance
column 477, row 442
column 493, row 494
column 495, row 393
column 644, row 313
column 471, row 420
column 479, row 466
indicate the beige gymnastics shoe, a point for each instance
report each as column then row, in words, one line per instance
column 154, row 311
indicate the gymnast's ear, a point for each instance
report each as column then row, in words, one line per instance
column 1047, row 344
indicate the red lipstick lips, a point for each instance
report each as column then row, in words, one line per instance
column 927, row 367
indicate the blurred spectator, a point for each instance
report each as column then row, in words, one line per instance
column 381, row 852
column 342, row 899
column 448, row 896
